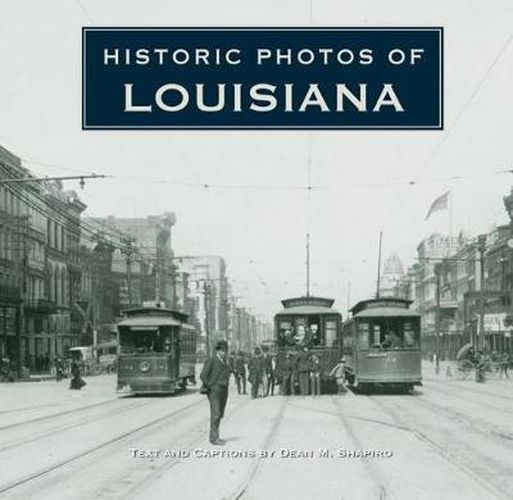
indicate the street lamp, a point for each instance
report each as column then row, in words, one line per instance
column 503, row 261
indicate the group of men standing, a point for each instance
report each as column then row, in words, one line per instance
column 297, row 373
column 303, row 369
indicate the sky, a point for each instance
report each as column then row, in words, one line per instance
column 253, row 214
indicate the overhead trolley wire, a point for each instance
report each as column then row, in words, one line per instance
column 461, row 112
column 283, row 187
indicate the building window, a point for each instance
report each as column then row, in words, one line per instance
column 53, row 281
column 64, row 287
column 49, row 235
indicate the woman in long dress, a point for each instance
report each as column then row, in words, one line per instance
column 76, row 380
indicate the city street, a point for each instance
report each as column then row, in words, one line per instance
column 450, row 439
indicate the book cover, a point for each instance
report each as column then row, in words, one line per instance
column 255, row 250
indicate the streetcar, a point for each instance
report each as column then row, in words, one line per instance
column 312, row 322
column 381, row 344
column 157, row 351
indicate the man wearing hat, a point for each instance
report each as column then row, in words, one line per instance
column 215, row 376
column 256, row 371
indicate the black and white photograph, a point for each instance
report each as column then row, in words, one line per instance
column 256, row 250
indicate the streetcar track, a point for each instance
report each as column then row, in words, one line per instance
column 465, row 419
column 378, row 479
column 57, row 415
column 27, row 408
column 463, row 398
column 60, row 428
column 477, row 391
column 354, row 417
column 441, row 450
column 149, row 478
column 257, row 463
column 62, row 463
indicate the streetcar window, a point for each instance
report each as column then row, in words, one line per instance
column 286, row 333
column 330, row 331
column 363, row 335
column 137, row 342
column 394, row 333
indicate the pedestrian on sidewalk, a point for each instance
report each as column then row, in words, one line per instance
column 215, row 376
column 339, row 372
column 76, row 380
column 59, row 369
column 480, row 367
column 5, row 370
column 256, row 370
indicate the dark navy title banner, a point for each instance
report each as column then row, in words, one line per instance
column 262, row 78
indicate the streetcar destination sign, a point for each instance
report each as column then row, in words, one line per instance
column 262, row 78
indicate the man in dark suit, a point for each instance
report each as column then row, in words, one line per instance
column 303, row 368
column 240, row 373
column 268, row 372
column 215, row 377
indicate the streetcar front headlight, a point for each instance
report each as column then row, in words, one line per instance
column 144, row 366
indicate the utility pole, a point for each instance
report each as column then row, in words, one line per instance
column 438, row 271
column 128, row 250
column 503, row 261
column 348, row 296
column 157, row 281
column 206, row 293
column 481, row 242
column 21, row 265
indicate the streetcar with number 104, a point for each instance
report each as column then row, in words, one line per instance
column 157, row 351
column 381, row 344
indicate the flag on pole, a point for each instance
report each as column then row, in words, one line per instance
column 441, row 203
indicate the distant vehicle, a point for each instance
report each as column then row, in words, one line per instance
column 381, row 344
column 106, row 356
column 312, row 322
column 84, row 355
column 97, row 358
column 157, row 351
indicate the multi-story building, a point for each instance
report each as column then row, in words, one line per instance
column 11, row 226
column 39, row 234
column 151, row 236
column 463, row 296
column 209, row 289
column 391, row 275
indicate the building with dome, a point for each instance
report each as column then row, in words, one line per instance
column 391, row 275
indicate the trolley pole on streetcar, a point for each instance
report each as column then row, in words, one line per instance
column 438, row 270
column 379, row 264
column 308, row 264
column 481, row 242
